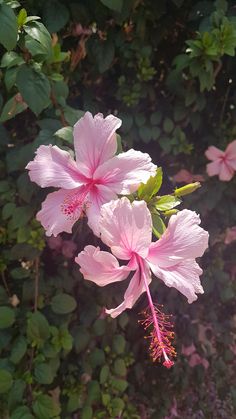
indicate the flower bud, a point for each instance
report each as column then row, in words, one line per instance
column 170, row 212
column 187, row 189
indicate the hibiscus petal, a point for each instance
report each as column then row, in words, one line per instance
column 126, row 228
column 231, row 150
column 135, row 289
column 226, row 171
column 125, row 172
column 54, row 167
column 183, row 239
column 183, row 276
column 98, row 196
column 52, row 216
column 100, row 267
column 213, row 153
column 95, row 140
column 214, row 168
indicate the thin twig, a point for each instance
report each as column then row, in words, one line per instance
column 36, row 284
column 5, row 284
column 224, row 105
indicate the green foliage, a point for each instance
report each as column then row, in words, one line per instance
column 167, row 69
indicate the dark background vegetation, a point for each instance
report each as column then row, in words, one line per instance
column 167, row 69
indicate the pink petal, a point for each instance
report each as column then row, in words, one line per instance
column 183, row 239
column 98, row 196
column 213, row 153
column 226, row 172
column 126, row 228
column 52, row 215
column 135, row 289
column 54, row 167
column 214, row 168
column 230, row 235
column 55, row 243
column 231, row 150
column 100, row 267
column 183, row 176
column 184, row 276
column 68, row 248
column 188, row 350
column 125, row 172
column 95, row 140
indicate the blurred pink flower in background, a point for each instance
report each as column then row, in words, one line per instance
column 187, row 177
column 173, row 410
column 223, row 162
column 66, row 247
column 194, row 357
column 230, row 235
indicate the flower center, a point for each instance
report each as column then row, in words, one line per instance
column 75, row 204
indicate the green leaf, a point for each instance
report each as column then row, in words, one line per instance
column 97, row 357
column 156, row 118
column 43, row 373
column 55, row 15
column 18, row 350
column 10, row 77
column 6, row 381
column 156, row 132
column 99, row 327
column 8, row 27
column 93, row 392
column 104, row 374
column 66, row 133
column 22, row 412
column 106, row 399
column 148, row 190
column 21, row 216
column 119, row 384
column 118, row 344
column 166, row 202
column 104, row 53
column 34, row 88
column 7, row 317
column 158, row 226
column 119, row 367
column 11, row 108
column 15, row 395
column 63, row 304
column 11, row 59
column 8, row 210
column 119, row 144
column 22, row 17
column 81, row 339
column 115, row 5
column 87, row 412
column 38, row 32
column 117, row 405
column 168, row 125
column 20, row 273
column 145, row 133
column 38, row 330
column 45, row 407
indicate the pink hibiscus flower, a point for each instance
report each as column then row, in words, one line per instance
column 230, row 235
column 127, row 229
column 96, row 177
column 223, row 162
column 187, row 177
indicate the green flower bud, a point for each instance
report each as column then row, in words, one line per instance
column 187, row 189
